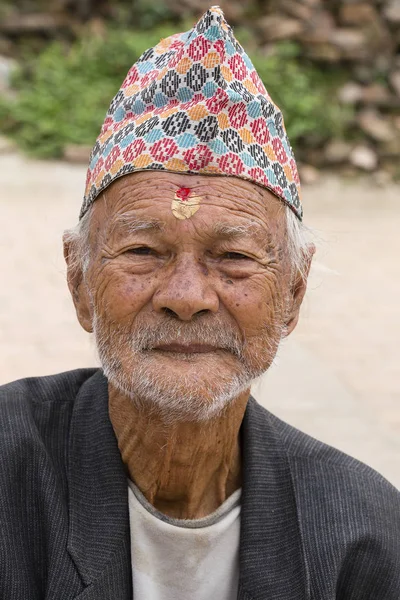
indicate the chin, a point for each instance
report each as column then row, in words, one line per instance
column 185, row 391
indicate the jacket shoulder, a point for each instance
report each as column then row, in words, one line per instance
column 51, row 388
column 36, row 410
column 35, row 426
column 303, row 448
column 349, row 516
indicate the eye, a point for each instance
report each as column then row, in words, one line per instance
column 234, row 256
column 140, row 251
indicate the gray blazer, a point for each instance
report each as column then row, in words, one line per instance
column 316, row 524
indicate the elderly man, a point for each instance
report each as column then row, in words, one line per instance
column 159, row 477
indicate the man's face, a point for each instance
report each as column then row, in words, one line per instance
column 187, row 311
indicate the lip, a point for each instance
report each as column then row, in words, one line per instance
column 186, row 349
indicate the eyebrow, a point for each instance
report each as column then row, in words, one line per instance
column 127, row 224
column 226, row 231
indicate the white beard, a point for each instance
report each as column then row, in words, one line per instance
column 137, row 372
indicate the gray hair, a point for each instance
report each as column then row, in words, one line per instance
column 78, row 238
column 299, row 240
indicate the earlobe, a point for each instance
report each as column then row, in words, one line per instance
column 297, row 292
column 78, row 288
column 83, row 307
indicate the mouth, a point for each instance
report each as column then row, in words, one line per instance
column 186, row 348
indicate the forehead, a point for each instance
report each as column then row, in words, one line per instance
column 146, row 198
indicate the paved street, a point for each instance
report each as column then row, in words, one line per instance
column 337, row 377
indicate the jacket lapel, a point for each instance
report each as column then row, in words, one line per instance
column 98, row 540
column 271, row 556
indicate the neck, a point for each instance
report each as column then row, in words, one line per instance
column 186, row 469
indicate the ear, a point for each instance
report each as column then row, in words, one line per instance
column 297, row 292
column 78, row 286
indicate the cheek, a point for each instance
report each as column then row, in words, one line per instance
column 253, row 303
column 122, row 295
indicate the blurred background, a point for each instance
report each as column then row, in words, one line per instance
column 333, row 67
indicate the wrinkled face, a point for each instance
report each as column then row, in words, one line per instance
column 186, row 311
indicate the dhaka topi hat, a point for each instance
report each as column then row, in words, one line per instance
column 195, row 104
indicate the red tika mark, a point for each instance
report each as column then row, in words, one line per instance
column 183, row 194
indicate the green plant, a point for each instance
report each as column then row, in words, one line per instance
column 63, row 94
column 146, row 14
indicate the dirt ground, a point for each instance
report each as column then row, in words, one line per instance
column 338, row 377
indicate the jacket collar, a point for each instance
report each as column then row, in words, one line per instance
column 98, row 490
column 272, row 562
column 271, row 557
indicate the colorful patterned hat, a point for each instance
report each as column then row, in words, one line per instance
column 195, row 104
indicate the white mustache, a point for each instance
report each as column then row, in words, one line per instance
column 147, row 337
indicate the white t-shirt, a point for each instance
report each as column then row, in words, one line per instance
column 177, row 559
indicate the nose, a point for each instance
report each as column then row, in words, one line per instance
column 186, row 292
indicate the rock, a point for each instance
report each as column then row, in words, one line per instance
column 308, row 174
column 394, row 79
column 312, row 3
column 6, row 46
column 376, row 94
column 391, row 148
column 319, row 28
column 374, row 125
column 7, row 66
column 357, row 14
column 19, row 23
column 352, row 43
column 392, row 11
column 297, row 10
column 396, row 122
column 379, row 39
column 273, row 28
column 350, row 93
column 383, row 63
column 337, row 151
column 77, row 154
column 364, row 158
column 320, row 51
column 233, row 11
column 363, row 73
